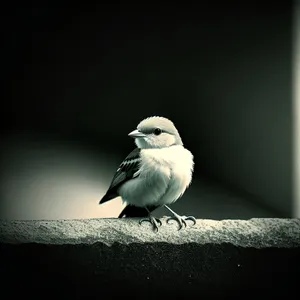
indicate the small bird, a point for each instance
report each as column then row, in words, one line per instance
column 154, row 174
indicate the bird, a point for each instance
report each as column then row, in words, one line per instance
column 155, row 174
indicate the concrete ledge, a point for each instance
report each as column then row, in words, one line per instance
column 256, row 233
column 83, row 258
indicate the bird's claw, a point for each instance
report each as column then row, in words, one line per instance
column 154, row 221
column 182, row 220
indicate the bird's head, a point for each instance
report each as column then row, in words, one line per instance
column 156, row 132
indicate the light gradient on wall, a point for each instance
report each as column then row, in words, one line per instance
column 296, row 110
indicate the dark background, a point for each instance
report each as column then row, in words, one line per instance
column 78, row 79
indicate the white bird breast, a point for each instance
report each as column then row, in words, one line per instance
column 163, row 177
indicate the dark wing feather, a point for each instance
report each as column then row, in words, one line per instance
column 125, row 172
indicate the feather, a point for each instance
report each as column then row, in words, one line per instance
column 127, row 170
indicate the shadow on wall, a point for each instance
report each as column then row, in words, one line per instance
column 240, row 104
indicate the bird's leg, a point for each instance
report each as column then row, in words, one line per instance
column 180, row 219
column 154, row 221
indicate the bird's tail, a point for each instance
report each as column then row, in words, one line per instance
column 131, row 211
column 107, row 197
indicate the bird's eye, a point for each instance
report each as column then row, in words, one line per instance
column 157, row 131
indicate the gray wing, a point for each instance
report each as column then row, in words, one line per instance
column 126, row 171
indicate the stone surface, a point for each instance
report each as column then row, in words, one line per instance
column 245, row 233
column 113, row 258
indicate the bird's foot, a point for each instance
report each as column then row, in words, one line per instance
column 154, row 221
column 182, row 220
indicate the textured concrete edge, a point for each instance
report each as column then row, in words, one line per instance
column 257, row 233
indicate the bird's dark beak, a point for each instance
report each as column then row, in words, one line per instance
column 136, row 134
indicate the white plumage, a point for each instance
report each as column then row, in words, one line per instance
column 164, row 175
